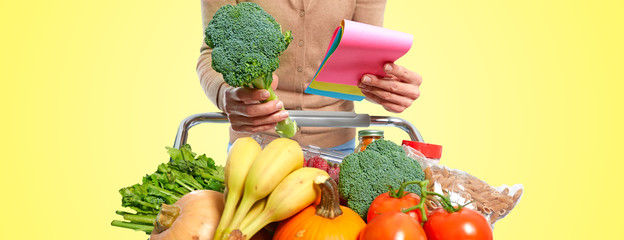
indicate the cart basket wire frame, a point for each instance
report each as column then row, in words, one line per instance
column 307, row 119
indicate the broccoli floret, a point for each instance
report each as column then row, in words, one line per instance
column 385, row 146
column 246, row 43
column 367, row 174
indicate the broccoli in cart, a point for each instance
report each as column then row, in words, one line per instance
column 246, row 42
column 367, row 174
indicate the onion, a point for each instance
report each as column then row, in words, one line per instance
column 194, row 216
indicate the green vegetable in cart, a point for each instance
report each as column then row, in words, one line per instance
column 184, row 173
column 367, row 174
column 246, row 42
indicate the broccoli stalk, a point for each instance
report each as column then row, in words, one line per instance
column 287, row 127
column 246, row 42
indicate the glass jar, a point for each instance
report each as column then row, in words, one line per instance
column 366, row 137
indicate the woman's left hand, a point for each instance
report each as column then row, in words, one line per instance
column 396, row 91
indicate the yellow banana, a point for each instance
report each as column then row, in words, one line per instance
column 278, row 159
column 255, row 210
column 292, row 195
column 241, row 156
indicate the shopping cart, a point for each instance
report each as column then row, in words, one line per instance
column 307, row 119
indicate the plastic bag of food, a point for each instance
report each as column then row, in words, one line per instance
column 494, row 203
column 313, row 156
column 309, row 151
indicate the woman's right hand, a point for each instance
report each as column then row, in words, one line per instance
column 247, row 113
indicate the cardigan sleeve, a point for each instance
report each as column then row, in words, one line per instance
column 211, row 81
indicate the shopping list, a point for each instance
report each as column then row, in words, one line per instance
column 354, row 50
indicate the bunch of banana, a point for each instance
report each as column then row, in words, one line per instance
column 263, row 186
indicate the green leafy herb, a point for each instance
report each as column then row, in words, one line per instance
column 184, row 173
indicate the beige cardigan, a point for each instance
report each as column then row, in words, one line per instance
column 312, row 23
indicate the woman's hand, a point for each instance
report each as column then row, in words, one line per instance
column 396, row 91
column 246, row 113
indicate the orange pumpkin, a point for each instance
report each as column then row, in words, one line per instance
column 326, row 220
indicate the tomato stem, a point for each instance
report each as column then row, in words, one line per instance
column 401, row 191
column 421, row 203
column 444, row 200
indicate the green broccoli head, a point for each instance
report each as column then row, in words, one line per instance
column 385, row 147
column 246, row 43
column 367, row 174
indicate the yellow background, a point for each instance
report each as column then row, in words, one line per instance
column 523, row 92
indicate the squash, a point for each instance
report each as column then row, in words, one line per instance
column 326, row 220
column 194, row 216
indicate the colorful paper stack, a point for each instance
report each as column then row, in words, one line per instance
column 356, row 49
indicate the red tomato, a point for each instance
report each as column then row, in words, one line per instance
column 393, row 226
column 386, row 203
column 466, row 224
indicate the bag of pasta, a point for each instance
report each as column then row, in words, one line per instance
column 493, row 203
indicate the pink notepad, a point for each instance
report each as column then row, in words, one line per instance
column 356, row 49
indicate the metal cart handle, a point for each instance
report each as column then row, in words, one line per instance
column 307, row 119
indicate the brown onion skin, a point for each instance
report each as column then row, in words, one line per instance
column 200, row 212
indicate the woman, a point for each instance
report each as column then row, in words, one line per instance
column 312, row 23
